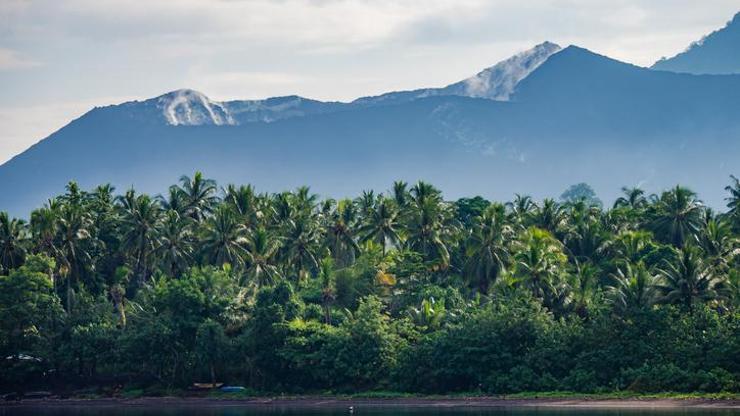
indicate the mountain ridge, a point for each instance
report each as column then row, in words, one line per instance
column 716, row 53
column 573, row 118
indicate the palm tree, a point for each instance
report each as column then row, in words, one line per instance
column 73, row 236
column 341, row 235
column 422, row 192
column 487, row 249
column 140, row 218
column 633, row 198
column 382, row 225
column 44, row 228
column 301, row 247
column 224, row 238
column 718, row 243
column 400, row 193
column 366, row 202
column 631, row 246
column 539, row 259
column 244, row 202
column 199, row 195
column 678, row 216
column 733, row 201
column 12, row 243
column 633, row 288
column 305, row 202
column 262, row 250
column 427, row 230
column 688, row 280
column 521, row 209
column 174, row 201
column 328, row 291
column 550, row 216
column 175, row 243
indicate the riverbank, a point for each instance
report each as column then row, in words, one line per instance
column 338, row 402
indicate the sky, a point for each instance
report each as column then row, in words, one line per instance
column 60, row 58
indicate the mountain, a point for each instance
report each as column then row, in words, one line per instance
column 716, row 53
column 496, row 83
column 577, row 116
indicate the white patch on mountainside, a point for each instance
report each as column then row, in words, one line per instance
column 495, row 83
column 499, row 81
column 192, row 108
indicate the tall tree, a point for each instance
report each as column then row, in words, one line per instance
column 382, row 225
column 199, row 195
column 12, row 243
column 677, row 216
column 487, row 248
column 224, row 238
column 687, row 280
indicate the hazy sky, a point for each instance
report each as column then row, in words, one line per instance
column 59, row 58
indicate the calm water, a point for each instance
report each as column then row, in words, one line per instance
column 359, row 411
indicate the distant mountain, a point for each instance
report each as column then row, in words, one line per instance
column 570, row 117
column 716, row 53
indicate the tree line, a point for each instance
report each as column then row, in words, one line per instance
column 401, row 290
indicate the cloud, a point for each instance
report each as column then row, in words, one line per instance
column 12, row 60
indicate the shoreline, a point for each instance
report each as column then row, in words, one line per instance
column 334, row 402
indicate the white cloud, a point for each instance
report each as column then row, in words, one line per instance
column 11, row 60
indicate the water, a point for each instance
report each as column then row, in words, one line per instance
column 232, row 410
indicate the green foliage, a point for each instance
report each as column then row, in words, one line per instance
column 402, row 291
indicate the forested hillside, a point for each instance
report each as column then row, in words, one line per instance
column 401, row 290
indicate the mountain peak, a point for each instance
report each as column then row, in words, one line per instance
column 186, row 107
column 498, row 82
column 715, row 53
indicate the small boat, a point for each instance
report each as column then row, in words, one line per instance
column 232, row 389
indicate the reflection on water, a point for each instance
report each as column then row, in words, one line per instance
column 359, row 410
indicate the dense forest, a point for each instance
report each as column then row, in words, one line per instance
column 396, row 291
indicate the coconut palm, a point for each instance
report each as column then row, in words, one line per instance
column 328, row 290
column 382, row 225
column 427, row 228
column 301, row 248
column 341, row 233
column 174, row 201
column 633, row 288
column 549, row 216
column 140, row 217
column 401, row 193
column 224, row 239
column 12, row 242
column 521, row 209
column 487, row 249
column 73, row 236
column 175, row 243
column 43, row 228
column 677, row 217
column 631, row 246
column 244, row 202
column 538, row 260
column 718, row 243
column 262, row 250
column 199, row 195
column 733, row 200
column 687, row 280
column 632, row 198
